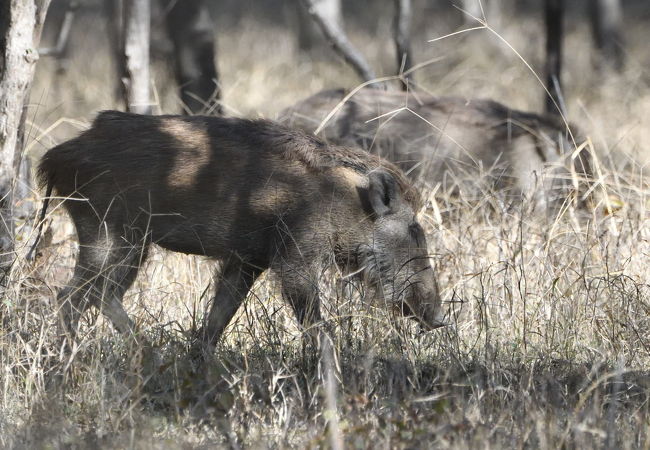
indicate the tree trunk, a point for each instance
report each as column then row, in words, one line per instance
column 135, row 55
column 606, row 26
column 554, row 18
column 337, row 38
column 21, row 23
column 402, row 35
column 192, row 32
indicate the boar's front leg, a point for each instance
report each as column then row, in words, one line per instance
column 236, row 280
column 300, row 290
column 304, row 300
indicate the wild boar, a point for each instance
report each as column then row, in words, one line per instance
column 250, row 193
column 451, row 141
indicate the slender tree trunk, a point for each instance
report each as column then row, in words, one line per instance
column 21, row 23
column 402, row 35
column 192, row 32
column 337, row 38
column 607, row 26
column 554, row 18
column 135, row 78
column 129, row 24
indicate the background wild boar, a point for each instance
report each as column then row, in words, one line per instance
column 471, row 146
column 252, row 194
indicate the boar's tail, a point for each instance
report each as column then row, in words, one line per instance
column 41, row 219
column 46, row 178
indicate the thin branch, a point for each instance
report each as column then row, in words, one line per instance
column 337, row 38
column 61, row 46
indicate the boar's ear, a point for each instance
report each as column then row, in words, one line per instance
column 383, row 192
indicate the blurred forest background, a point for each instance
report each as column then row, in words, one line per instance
column 264, row 67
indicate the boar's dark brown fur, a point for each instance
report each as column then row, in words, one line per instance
column 252, row 194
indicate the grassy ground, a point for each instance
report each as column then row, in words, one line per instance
column 549, row 345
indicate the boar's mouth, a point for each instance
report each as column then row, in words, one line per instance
column 415, row 302
column 404, row 309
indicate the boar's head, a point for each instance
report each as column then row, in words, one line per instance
column 395, row 258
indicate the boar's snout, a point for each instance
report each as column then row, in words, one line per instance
column 432, row 318
column 428, row 315
column 424, row 303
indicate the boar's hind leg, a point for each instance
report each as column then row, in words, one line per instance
column 236, row 279
column 102, row 275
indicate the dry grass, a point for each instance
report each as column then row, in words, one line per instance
column 551, row 316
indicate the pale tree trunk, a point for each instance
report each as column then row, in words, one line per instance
column 337, row 38
column 129, row 38
column 137, row 22
column 21, row 23
column 308, row 31
column 402, row 35
column 192, row 32
column 554, row 18
column 607, row 29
